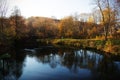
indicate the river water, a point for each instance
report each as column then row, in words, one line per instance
column 59, row 64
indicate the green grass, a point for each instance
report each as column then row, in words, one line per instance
column 110, row 46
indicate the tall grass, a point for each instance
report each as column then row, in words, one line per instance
column 110, row 46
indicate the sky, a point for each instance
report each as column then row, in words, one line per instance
column 50, row 8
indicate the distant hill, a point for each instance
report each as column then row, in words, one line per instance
column 41, row 19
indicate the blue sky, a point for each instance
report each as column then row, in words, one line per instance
column 49, row 8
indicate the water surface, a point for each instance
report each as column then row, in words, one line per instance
column 59, row 64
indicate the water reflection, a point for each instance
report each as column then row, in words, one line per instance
column 58, row 64
column 11, row 68
column 92, row 64
column 71, row 59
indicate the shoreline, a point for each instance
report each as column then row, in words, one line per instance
column 110, row 46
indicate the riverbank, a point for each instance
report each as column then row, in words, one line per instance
column 110, row 46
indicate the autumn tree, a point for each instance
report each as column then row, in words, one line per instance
column 18, row 23
column 43, row 27
column 47, row 28
column 29, row 23
column 68, row 28
column 9, row 30
column 3, row 11
column 107, row 9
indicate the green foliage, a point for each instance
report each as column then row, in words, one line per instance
column 111, row 46
column 99, row 42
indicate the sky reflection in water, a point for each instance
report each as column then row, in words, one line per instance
column 64, row 64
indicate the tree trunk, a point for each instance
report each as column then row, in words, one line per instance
column 106, row 28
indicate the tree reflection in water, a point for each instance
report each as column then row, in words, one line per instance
column 100, row 66
column 11, row 68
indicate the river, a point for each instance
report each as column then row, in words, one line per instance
column 59, row 64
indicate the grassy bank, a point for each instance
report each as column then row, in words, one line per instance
column 111, row 46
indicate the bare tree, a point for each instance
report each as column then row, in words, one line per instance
column 118, row 1
column 118, row 8
column 96, row 16
column 3, row 11
column 16, row 19
column 108, row 13
column 102, row 5
column 18, row 22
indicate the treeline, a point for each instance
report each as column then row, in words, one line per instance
column 103, row 24
column 67, row 27
column 18, row 27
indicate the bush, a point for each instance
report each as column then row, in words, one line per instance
column 111, row 46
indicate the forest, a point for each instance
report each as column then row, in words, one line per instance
column 80, row 46
column 102, row 24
